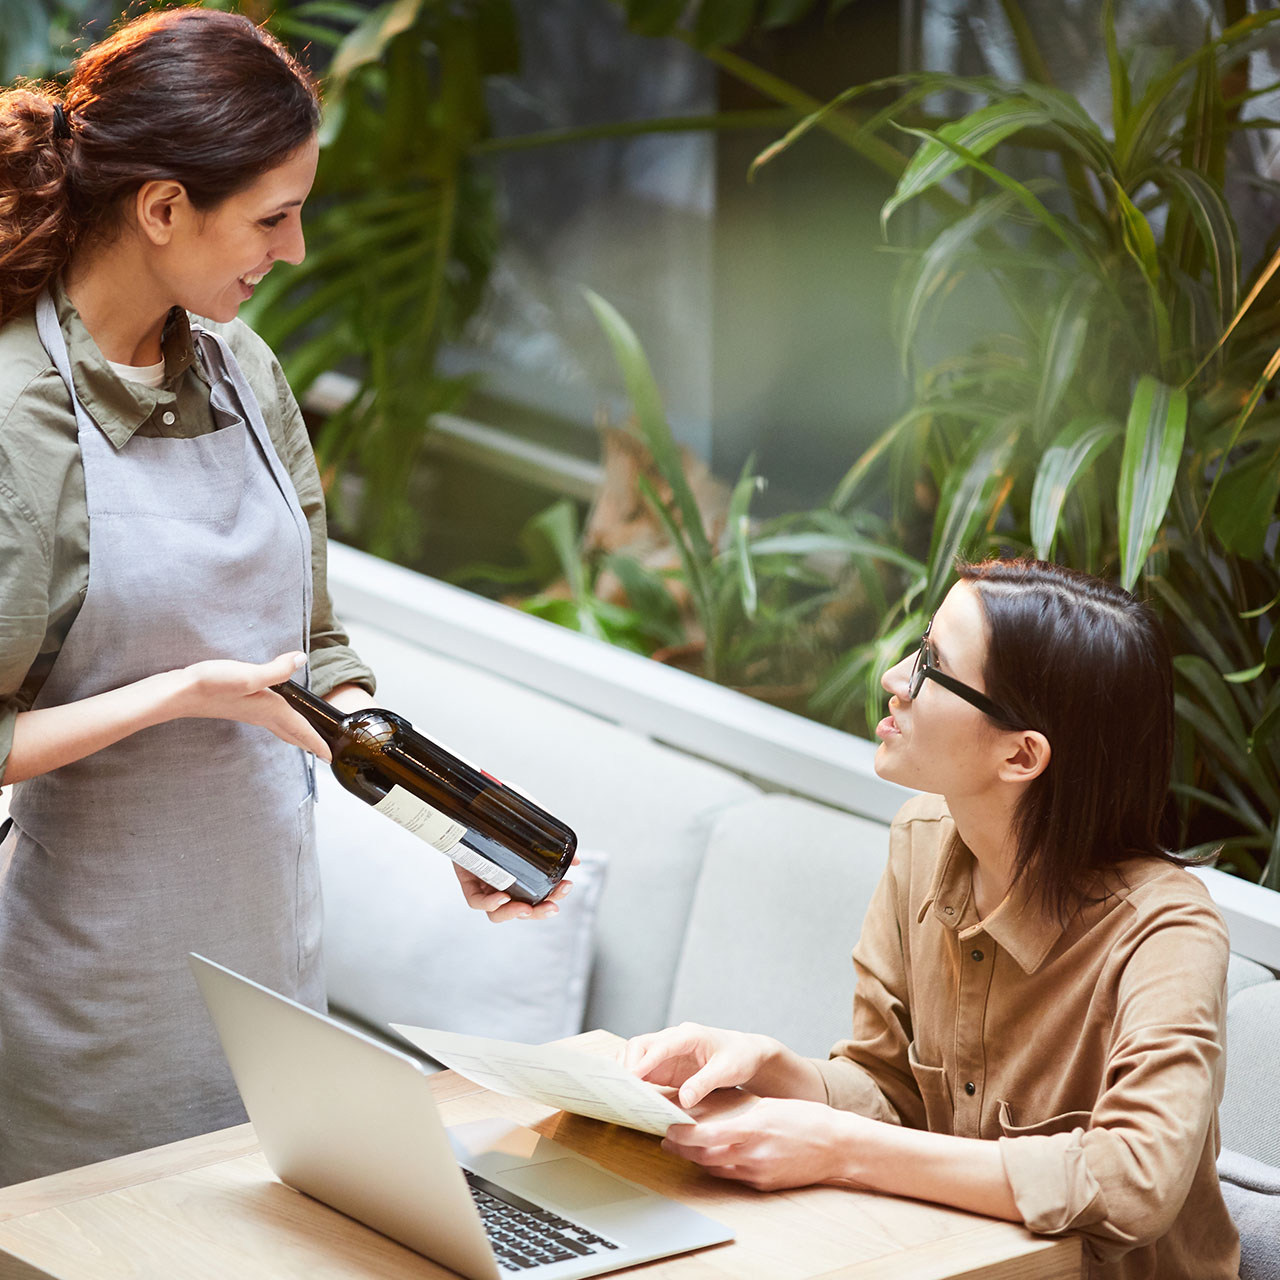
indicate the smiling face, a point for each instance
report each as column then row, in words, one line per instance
column 209, row 262
column 938, row 742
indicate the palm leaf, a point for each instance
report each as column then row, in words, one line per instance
column 948, row 149
column 936, row 267
column 1251, row 403
column 722, row 22
column 1057, row 227
column 1121, row 92
column 1212, row 217
column 1064, row 341
column 965, row 503
column 738, row 528
column 368, row 41
column 1152, row 449
column 652, row 419
column 779, row 13
column 1242, row 505
column 1072, row 452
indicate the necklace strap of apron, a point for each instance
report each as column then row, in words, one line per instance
column 225, row 372
column 50, row 333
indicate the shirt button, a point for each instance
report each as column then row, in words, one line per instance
column 168, row 418
column 949, row 910
column 977, row 955
column 971, row 1088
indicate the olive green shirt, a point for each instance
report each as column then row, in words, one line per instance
column 44, row 523
column 1093, row 1054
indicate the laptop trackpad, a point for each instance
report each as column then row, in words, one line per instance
column 570, row 1183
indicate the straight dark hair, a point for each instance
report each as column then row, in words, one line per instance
column 1088, row 665
column 195, row 95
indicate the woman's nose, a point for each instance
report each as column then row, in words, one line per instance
column 292, row 246
column 897, row 680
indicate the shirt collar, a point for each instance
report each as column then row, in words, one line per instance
column 1017, row 924
column 120, row 407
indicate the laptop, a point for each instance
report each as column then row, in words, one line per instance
column 352, row 1122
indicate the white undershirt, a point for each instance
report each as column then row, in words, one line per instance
column 150, row 375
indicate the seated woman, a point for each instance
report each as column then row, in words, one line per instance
column 1038, row 1017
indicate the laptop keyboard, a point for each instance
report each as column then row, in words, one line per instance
column 523, row 1234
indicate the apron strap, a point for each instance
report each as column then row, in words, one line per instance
column 55, row 344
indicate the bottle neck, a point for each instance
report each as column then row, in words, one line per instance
column 325, row 718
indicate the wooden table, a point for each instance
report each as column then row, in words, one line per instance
column 209, row 1208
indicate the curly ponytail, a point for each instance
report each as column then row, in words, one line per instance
column 37, row 231
column 198, row 96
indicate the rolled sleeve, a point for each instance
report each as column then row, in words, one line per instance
column 24, row 608
column 1122, row 1181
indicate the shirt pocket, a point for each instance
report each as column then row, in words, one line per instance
column 1067, row 1122
column 931, row 1082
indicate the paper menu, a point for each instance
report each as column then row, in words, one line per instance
column 579, row 1082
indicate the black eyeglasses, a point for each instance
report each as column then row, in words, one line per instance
column 925, row 670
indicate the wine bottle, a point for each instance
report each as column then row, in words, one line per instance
column 485, row 826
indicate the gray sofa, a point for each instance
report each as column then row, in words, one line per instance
column 703, row 895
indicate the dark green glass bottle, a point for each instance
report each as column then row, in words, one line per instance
column 485, row 826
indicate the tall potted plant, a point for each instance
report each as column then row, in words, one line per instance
column 1117, row 415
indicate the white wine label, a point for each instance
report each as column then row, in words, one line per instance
column 482, row 868
column 440, row 832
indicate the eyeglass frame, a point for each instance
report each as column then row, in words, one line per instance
column 923, row 669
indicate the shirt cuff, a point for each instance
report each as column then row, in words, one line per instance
column 7, row 717
column 1052, row 1185
column 850, row 1088
column 338, row 665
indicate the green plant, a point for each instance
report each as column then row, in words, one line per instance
column 710, row 23
column 554, row 560
column 402, row 226
column 38, row 37
column 400, row 232
column 767, row 605
column 1115, row 409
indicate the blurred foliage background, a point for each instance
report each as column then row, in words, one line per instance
column 1079, row 350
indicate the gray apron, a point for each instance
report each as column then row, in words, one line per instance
column 192, row 835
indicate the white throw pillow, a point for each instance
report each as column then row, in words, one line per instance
column 401, row 944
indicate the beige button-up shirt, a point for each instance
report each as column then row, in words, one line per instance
column 1093, row 1054
column 44, row 524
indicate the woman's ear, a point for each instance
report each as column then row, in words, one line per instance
column 1027, row 756
column 159, row 205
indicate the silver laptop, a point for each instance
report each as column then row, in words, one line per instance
column 353, row 1122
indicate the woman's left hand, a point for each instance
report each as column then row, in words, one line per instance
column 771, row 1143
column 499, row 905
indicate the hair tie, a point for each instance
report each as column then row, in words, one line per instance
column 61, row 129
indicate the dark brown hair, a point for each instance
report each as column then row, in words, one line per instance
column 1082, row 661
column 194, row 95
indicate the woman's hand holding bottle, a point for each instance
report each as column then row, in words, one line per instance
column 500, row 906
column 222, row 689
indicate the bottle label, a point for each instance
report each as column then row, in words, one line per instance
column 440, row 832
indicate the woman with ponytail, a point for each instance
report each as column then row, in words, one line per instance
column 162, row 553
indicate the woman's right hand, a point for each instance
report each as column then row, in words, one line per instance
column 697, row 1060
column 50, row 737
column 222, row 689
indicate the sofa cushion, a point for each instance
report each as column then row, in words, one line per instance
column 416, row 953
column 784, row 887
column 1250, row 1110
column 650, row 807
column 1251, row 1190
column 1243, row 973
